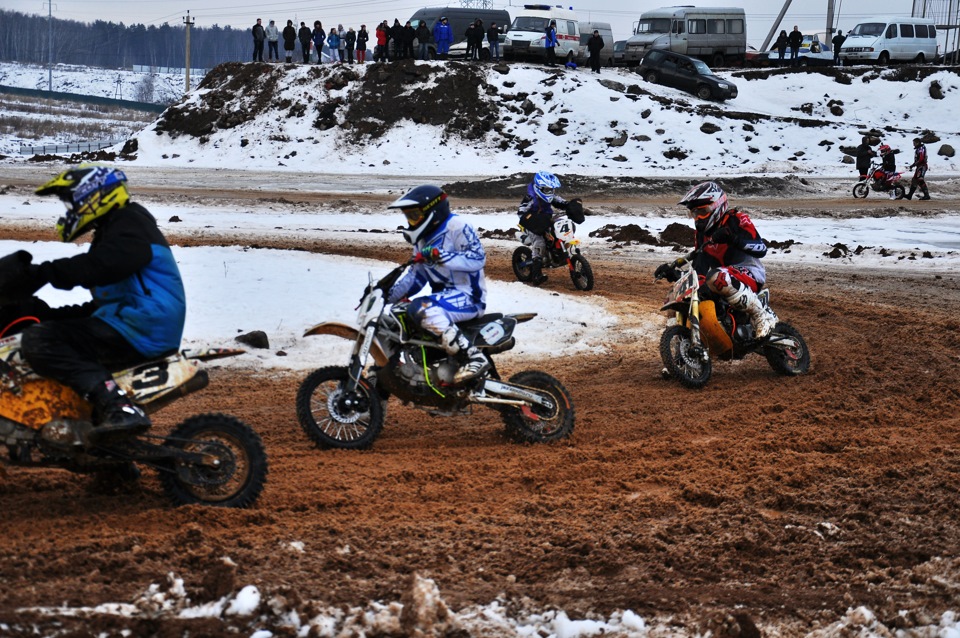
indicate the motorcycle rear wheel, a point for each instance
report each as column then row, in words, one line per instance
column 792, row 361
column 522, row 268
column 239, row 474
column 683, row 364
column 581, row 273
column 542, row 426
column 327, row 417
column 861, row 190
column 899, row 192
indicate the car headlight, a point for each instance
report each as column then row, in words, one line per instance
column 723, row 86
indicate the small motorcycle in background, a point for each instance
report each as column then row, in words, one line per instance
column 710, row 328
column 877, row 181
column 563, row 249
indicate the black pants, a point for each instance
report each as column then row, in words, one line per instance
column 595, row 62
column 551, row 56
column 274, row 50
column 77, row 352
column 306, row 52
column 258, row 50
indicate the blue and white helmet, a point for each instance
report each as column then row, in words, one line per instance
column 545, row 185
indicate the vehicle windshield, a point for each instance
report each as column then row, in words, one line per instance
column 868, row 28
column 653, row 25
column 529, row 23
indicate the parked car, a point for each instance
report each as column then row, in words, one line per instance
column 618, row 52
column 659, row 66
column 812, row 53
column 754, row 58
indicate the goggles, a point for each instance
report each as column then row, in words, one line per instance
column 414, row 215
column 547, row 191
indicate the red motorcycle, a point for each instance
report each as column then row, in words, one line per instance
column 878, row 181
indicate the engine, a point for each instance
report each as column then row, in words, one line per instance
column 406, row 377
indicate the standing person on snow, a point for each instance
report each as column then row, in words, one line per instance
column 382, row 33
column 333, row 44
column 727, row 253
column 781, row 45
column 350, row 41
column 493, row 40
column 537, row 217
column 138, row 307
column 443, row 36
column 319, row 36
column 795, row 39
column 362, row 38
column 447, row 256
column 396, row 39
column 259, row 35
column 289, row 40
column 306, row 37
column 920, row 172
column 864, row 156
column 594, row 45
column 423, row 41
column 550, row 42
column 837, row 42
column 273, row 39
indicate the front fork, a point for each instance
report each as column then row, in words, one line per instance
column 693, row 319
column 359, row 356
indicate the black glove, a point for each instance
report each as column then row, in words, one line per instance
column 575, row 211
column 19, row 278
column 722, row 235
column 665, row 271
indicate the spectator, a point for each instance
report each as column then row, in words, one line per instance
column 493, row 39
column 259, row 35
column 550, row 43
column 273, row 38
column 409, row 35
column 342, row 47
column 333, row 43
column 319, row 36
column 443, row 36
column 864, row 156
column 796, row 39
column 380, row 53
column 289, row 40
column 423, row 38
column 594, row 44
column 781, row 45
column 306, row 37
column 478, row 37
column 396, row 39
column 837, row 42
column 362, row 38
column 468, row 36
column 350, row 40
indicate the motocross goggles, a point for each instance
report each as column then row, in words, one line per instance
column 414, row 215
column 700, row 212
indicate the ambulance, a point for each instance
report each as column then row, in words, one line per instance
column 527, row 32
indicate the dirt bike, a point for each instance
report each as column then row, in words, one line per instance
column 563, row 249
column 877, row 181
column 210, row 459
column 342, row 407
column 709, row 328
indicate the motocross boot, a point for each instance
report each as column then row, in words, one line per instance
column 762, row 319
column 477, row 363
column 909, row 194
column 115, row 415
column 926, row 193
column 537, row 278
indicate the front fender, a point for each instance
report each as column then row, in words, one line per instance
column 349, row 333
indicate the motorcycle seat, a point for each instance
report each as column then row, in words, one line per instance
column 481, row 320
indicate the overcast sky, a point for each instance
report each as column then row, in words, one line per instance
column 809, row 15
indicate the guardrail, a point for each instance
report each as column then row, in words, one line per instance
column 79, row 147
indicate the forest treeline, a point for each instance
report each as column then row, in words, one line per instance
column 26, row 38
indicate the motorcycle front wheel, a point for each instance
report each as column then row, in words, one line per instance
column 581, row 273
column 235, row 469
column 681, row 360
column 861, row 190
column 788, row 361
column 537, row 424
column 522, row 264
column 334, row 418
column 899, row 192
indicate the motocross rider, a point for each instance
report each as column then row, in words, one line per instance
column 728, row 252
column 448, row 256
column 888, row 163
column 138, row 307
column 537, row 217
column 920, row 169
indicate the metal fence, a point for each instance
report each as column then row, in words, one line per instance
column 87, row 99
column 77, row 147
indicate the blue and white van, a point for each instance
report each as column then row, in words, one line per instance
column 527, row 32
column 882, row 40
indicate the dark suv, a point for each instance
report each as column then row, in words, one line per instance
column 685, row 73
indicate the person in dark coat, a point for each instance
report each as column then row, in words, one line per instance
column 550, row 43
column 477, row 36
column 350, row 40
column 319, row 36
column 795, row 39
column 259, row 35
column 305, row 35
column 396, row 39
column 362, row 38
column 423, row 40
column 837, row 42
column 409, row 35
column 289, row 40
column 594, row 45
column 493, row 41
column 865, row 154
column 781, row 45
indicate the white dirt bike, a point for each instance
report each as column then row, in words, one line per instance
column 563, row 250
column 345, row 406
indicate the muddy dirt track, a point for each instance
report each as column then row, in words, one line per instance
column 758, row 505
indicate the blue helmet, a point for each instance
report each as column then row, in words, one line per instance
column 426, row 208
column 545, row 185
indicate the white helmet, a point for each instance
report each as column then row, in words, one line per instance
column 707, row 204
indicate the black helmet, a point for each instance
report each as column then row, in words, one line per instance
column 425, row 207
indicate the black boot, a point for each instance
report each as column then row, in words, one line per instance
column 909, row 195
column 114, row 413
column 537, row 277
column 926, row 194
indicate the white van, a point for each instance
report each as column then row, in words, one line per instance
column 527, row 31
column 606, row 33
column 716, row 35
column 881, row 40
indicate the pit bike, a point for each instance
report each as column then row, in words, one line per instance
column 563, row 249
column 706, row 327
column 345, row 406
column 877, row 181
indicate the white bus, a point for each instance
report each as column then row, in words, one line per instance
column 881, row 40
column 716, row 35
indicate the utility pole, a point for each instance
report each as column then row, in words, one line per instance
column 189, row 23
column 50, row 47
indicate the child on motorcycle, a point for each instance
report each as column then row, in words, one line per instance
column 888, row 164
column 138, row 307
column 727, row 254
column 537, row 216
column 447, row 256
